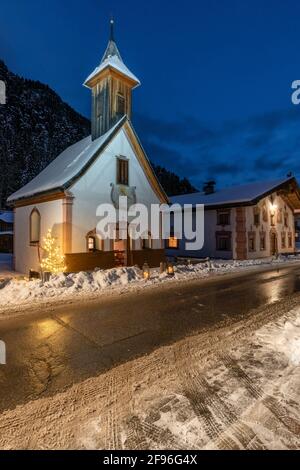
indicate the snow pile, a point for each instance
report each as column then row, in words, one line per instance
column 223, row 266
column 18, row 291
column 284, row 337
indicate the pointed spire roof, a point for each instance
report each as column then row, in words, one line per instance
column 112, row 59
column 112, row 49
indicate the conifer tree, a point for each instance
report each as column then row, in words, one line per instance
column 55, row 261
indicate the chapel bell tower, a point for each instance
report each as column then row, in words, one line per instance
column 111, row 84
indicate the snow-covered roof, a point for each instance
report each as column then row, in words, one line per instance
column 67, row 166
column 247, row 193
column 115, row 63
column 72, row 164
column 7, row 216
column 112, row 59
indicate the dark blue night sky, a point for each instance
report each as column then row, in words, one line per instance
column 216, row 75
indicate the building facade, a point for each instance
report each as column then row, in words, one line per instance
column 246, row 222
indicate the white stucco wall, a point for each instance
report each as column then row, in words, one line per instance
column 210, row 245
column 266, row 227
column 94, row 188
column 26, row 256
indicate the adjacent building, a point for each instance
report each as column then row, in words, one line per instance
column 6, row 231
column 251, row 221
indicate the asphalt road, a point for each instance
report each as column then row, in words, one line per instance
column 49, row 351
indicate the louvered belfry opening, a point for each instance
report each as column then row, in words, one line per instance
column 111, row 84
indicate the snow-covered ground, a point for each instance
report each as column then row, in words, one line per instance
column 19, row 291
column 234, row 387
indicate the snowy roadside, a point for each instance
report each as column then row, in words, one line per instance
column 232, row 388
column 18, row 293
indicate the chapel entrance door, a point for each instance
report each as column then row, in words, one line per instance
column 120, row 248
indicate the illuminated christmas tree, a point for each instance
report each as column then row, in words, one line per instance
column 55, row 261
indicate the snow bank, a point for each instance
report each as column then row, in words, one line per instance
column 17, row 292
column 223, row 266
column 284, row 337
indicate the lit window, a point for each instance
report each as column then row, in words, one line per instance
column 223, row 218
column 91, row 243
column 35, row 227
column 122, row 171
column 173, row 243
column 272, row 219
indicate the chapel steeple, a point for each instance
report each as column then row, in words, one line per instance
column 111, row 84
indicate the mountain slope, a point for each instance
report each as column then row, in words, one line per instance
column 36, row 126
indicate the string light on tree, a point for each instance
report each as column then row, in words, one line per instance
column 55, row 261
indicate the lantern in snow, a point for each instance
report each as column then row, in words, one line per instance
column 170, row 269
column 146, row 271
column 33, row 274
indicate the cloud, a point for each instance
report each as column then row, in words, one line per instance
column 171, row 159
column 266, row 162
column 224, row 168
column 187, row 130
column 259, row 147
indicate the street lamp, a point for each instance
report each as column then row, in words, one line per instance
column 273, row 206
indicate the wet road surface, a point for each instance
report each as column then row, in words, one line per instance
column 49, row 352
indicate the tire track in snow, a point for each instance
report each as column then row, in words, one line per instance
column 278, row 410
column 195, row 390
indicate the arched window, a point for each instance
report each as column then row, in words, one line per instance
column 35, row 227
column 91, row 244
column 94, row 242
